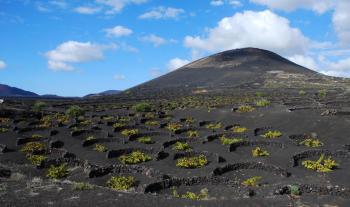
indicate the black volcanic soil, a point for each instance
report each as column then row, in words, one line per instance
column 295, row 116
column 303, row 105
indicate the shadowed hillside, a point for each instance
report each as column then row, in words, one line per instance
column 247, row 68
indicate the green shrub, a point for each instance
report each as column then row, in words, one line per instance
column 83, row 186
column 90, row 138
column 100, row 148
column 203, row 195
column 121, row 183
column 227, row 141
column 192, row 134
column 214, row 126
column 3, row 130
column 260, row 94
column 321, row 165
column 322, row 93
column 36, row 159
column 33, row 147
column 130, row 132
column 271, row 134
column 135, row 158
column 263, row 103
column 252, row 182
column 302, row 93
column 57, row 172
column 192, row 162
column 142, row 107
column 258, row 152
column 152, row 123
column 150, row 115
column 39, row 106
column 173, row 127
column 119, row 125
column 179, row 146
column 75, row 111
column 311, row 143
column 245, row 108
column 145, row 140
column 239, row 129
column 37, row 136
column 294, row 190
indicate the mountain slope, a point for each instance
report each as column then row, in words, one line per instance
column 8, row 91
column 248, row 68
column 104, row 93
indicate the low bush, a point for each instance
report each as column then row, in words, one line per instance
column 100, row 148
column 75, row 111
column 311, row 143
column 135, row 158
column 34, row 148
column 272, row 134
column 39, row 106
column 258, row 152
column 145, row 140
column 3, row 130
column 263, row 103
column 214, row 126
column 227, row 141
column 173, row 127
column 239, row 129
column 152, row 123
column 192, row 134
column 142, row 107
column 192, row 162
column 130, row 132
column 252, row 182
column 58, row 172
column 321, row 165
column 294, row 190
column 203, row 195
column 179, row 146
column 121, row 183
column 36, row 159
column 245, row 108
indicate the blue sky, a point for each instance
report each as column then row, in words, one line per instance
column 77, row 47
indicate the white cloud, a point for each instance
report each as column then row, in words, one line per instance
column 59, row 3
column 234, row 3
column 162, row 13
column 155, row 72
column 217, row 3
column 304, row 61
column 176, row 63
column 154, row 39
column 118, row 5
column 87, row 10
column 319, row 6
column 69, row 52
column 341, row 21
column 118, row 31
column 263, row 29
column 119, row 77
column 340, row 68
column 2, row 64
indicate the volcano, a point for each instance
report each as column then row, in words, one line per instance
column 247, row 68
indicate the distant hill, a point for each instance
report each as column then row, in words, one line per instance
column 243, row 69
column 8, row 91
column 104, row 93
